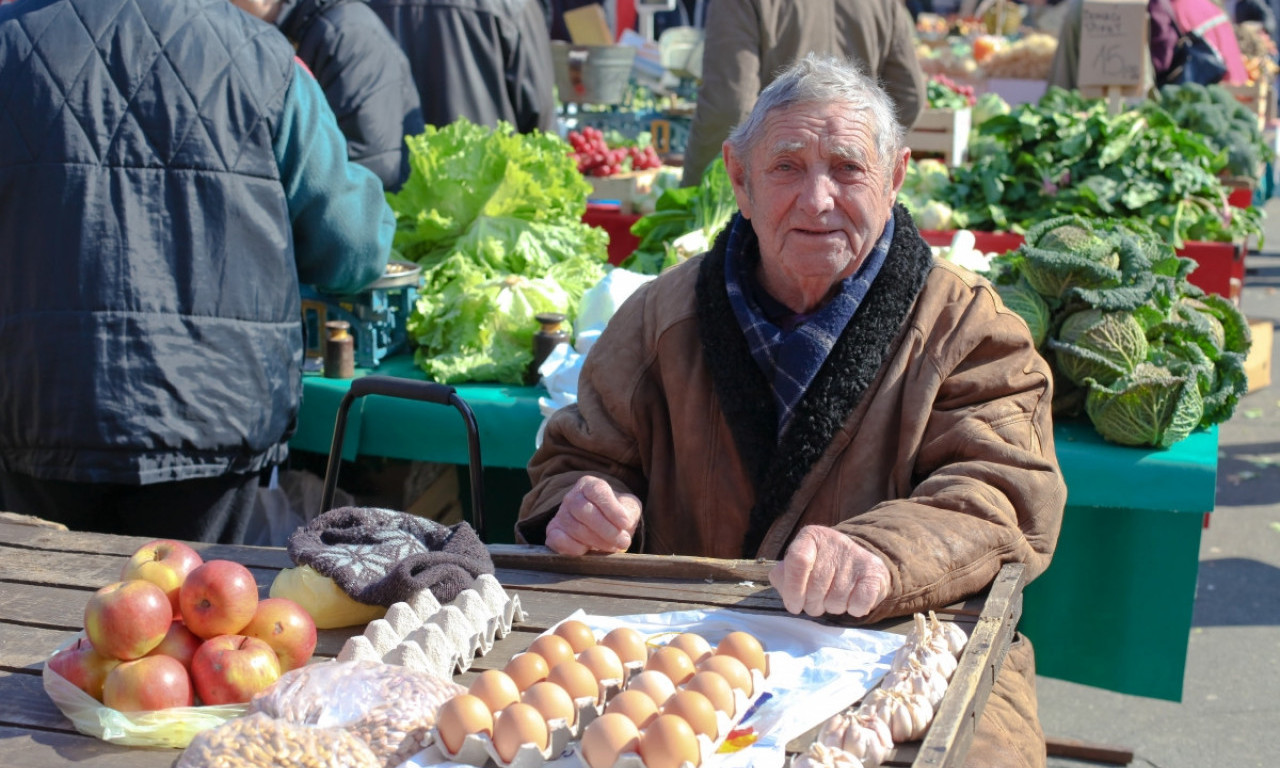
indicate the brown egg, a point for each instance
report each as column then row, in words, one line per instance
column 608, row 736
column 715, row 688
column 732, row 670
column 517, row 725
column 672, row 662
column 552, row 701
column 627, row 643
column 694, row 645
column 579, row 635
column 745, row 648
column 654, row 684
column 526, row 669
column 696, row 710
column 495, row 688
column 669, row 742
column 602, row 662
column 461, row 716
column 577, row 679
column 553, row 648
column 636, row 705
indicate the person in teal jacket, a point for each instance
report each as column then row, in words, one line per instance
column 169, row 175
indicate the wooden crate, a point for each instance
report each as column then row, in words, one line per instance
column 626, row 188
column 1257, row 366
column 1255, row 97
column 944, row 132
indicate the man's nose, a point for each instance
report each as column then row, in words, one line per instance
column 819, row 193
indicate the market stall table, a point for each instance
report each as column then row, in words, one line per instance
column 49, row 574
column 1126, row 563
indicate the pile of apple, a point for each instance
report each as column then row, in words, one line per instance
column 176, row 630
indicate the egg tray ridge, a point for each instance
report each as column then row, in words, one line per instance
column 443, row 640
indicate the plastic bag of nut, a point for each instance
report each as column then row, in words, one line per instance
column 256, row 740
column 391, row 708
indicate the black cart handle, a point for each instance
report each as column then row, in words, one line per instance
column 408, row 389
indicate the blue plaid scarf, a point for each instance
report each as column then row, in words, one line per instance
column 791, row 358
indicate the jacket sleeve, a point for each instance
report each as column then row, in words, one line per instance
column 730, row 83
column 900, row 72
column 985, row 487
column 342, row 225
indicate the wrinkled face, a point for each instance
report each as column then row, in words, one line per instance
column 817, row 197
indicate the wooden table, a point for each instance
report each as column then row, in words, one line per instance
column 48, row 575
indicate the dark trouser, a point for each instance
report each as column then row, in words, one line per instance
column 213, row 509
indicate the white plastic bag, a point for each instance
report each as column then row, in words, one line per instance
column 173, row 727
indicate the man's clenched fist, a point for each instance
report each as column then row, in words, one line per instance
column 825, row 571
column 592, row 518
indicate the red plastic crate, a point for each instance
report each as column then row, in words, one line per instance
column 1240, row 197
column 987, row 242
column 621, row 242
column 1220, row 267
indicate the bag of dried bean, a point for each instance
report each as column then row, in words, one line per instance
column 389, row 707
column 257, row 740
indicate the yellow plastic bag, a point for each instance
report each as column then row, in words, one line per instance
column 328, row 605
column 173, row 727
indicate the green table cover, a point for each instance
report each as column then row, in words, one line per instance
column 1113, row 610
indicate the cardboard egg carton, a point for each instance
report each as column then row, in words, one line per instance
column 424, row 635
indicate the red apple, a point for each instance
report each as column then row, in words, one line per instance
column 179, row 643
column 218, row 598
column 230, row 669
column 152, row 682
column 165, row 563
column 127, row 619
column 83, row 667
column 287, row 628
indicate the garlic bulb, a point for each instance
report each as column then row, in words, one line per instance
column 951, row 632
column 832, row 732
column 915, row 677
column 867, row 738
column 907, row 714
column 823, row 756
column 940, row 660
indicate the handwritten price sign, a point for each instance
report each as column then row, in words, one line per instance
column 1113, row 43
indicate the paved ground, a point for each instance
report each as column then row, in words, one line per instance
column 1230, row 709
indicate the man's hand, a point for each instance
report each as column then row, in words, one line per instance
column 592, row 518
column 825, row 571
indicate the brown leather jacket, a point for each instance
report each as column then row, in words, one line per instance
column 749, row 41
column 927, row 437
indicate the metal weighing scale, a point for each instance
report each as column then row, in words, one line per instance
column 377, row 315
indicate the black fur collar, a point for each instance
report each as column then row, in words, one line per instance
column 778, row 468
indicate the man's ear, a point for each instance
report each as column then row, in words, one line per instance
column 738, row 178
column 899, row 173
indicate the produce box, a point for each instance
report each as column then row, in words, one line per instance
column 1255, row 97
column 1257, row 366
column 942, row 131
column 1017, row 91
column 626, row 188
column 1220, row 266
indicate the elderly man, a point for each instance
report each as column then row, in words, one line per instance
column 818, row 388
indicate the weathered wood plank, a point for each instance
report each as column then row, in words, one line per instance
column 948, row 739
column 523, row 557
column 26, row 648
column 23, row 702
column 46, row 749
column 49, row 539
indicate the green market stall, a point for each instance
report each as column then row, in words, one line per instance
column 1113, row 611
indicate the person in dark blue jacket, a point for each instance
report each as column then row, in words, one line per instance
column 168, row 176
column 364, row 74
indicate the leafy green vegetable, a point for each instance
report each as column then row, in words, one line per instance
column 495, row 219
column 706, row 207
column 1147, row 355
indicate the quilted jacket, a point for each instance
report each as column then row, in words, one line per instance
column 485, row 60
column 365, row 77
column 168, row 175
